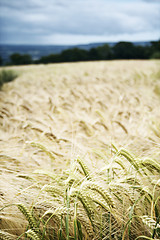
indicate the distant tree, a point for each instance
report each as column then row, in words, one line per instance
column 26, row 59
column 74, row 55
column 18, row 59
column 104, row 52
column 155, row 55
column 1, row 61
column 124, row 50
column 121, row 50
column 155, row 45
column 141, row 52
column 52, row 58
column 155, row 50
column 93, row 54
column 15, row 59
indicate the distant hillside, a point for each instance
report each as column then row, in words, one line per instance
column 111, row 44
column 37, row 51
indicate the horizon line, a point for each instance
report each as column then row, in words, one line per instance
column 46, row 44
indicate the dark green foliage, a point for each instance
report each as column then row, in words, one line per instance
column 74, row 55
column 52, row 58
column 18, row 59
column 104, row 52
column 7, row 76
column 121, row 50
column 1, row 61
column 155, row 55
column 124, row 50
column 155, row 46
column 93, row 54
column 69, row 55
column 141, row 52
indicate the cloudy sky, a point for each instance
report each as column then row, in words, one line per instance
column 78, row 21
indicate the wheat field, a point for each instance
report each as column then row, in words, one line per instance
column 80, row 151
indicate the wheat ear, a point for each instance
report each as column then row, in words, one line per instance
column 28, row 216
column 6, row 236
column 151, row 165
column 86, row 205
column 150, row 222
column 44, row 149
column 87, row 226
column 130, row 158
column 32, row 235
column 101, row 202
column 105, row 195
column 84, row 168
column 53, row 190
column 119, row 162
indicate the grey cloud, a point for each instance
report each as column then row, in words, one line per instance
column 18, row 4
column 31, row 4
column 91, row 21
column 152, row 1
column 38, row 18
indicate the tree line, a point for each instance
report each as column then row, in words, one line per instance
column 121, row 50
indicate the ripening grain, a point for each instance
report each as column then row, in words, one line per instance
column 80, row 151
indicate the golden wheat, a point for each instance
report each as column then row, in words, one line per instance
column 6, row 236
column 84, row 134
